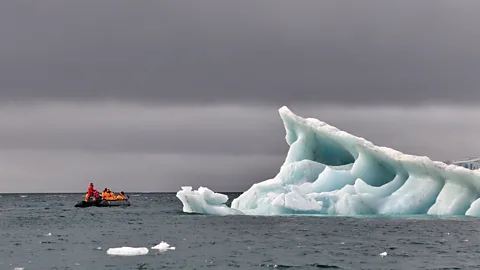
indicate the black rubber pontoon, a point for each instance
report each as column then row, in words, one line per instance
column 103, row 203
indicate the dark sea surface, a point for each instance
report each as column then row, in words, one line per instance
column 80, row 238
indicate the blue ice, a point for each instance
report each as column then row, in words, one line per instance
column 330, row 172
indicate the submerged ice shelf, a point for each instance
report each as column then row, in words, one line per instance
column 330, row 172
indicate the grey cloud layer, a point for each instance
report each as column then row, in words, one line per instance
column 276, row 52
column 70, row 171
column 134, row 128
column 157, row 62
column 62, row 146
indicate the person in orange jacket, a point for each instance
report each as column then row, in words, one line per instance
column 120, row 196
column 104, row 194
column 109, row 195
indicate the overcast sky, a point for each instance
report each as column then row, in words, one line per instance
column 153, row 95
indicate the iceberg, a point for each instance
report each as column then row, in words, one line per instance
column 328, row 171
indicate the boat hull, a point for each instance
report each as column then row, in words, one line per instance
column 103, row 203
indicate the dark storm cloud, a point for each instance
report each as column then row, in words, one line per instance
column 363, row 52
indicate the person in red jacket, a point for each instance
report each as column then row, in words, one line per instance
column 96, row 195
column 90, row 191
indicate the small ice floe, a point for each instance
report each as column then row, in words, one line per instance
column 23, row 196
column 163, row 246
column 18, row 268
column 49, row 234
column 77, row 264
column 342, row 243
column 383, row 254
column 98, row 248
column 466, row 240
column 127, row 251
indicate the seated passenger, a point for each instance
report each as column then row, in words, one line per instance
column 110, row 195
column 121, row 196
column 96, row 195
column 104, row 194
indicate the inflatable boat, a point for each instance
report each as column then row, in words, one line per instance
column 103, row 203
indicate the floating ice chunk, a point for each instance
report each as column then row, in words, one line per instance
column 127, row 251
column 204, row 201
column 163, row 246
column 330, row 172
column 49, row 234
column 383, row 254
column 18, row 268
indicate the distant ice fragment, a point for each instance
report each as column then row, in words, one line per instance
column 127, row 251
column 331, row 172
column 383, row 254
column 163, row 246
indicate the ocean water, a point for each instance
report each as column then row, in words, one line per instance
column 46, row 231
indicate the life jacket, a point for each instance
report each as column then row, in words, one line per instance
column 110, row 196
column 104, row 195
column 120, row 197
column 87, row 197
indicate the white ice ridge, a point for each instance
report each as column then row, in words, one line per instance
column 331, row 172
column 127, row 251
column 204, row 201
